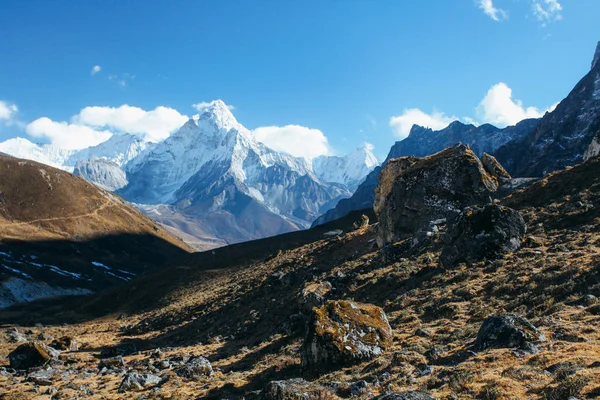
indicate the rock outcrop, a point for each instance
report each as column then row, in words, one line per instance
column 507, row 331
column 32, row 354
column 344, row 333
column 482, row 232
column 136, row 382
column 412, row 192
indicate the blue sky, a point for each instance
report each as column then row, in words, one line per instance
column 349, row 71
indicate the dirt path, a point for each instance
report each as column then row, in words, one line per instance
column 95, row 212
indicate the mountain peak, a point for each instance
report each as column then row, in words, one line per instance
column 218, row 113
column 596, row 56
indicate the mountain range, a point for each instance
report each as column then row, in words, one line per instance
column 211, row 182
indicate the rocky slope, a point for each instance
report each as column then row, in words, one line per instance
column 62, row 235
column 323, row 314
column 563, row 136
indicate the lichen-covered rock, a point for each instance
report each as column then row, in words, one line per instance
column 493, row 167
column 344, row 333
column 31, row 354
column 68, row 343
column 136, row 382
column 412, row 191
column 291, row 389
column 313, row 295
column 482, row 232
column 195, row 368
column 410, row 395
column 507, row 331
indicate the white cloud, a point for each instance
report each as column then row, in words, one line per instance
column 65, row 135
column 499, row 108
column 296, row 140
column 204, row 104
column 7, row 111
column 95, row 70
column 153, row 125
column 547, row 10
column 403, row 123
column 488, row 8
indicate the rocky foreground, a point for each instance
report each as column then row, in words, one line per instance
column 463, row 294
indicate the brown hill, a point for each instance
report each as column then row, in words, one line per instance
column 58, row 229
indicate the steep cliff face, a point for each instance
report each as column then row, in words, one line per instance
column 564, row 137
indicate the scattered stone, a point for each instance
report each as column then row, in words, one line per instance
column 565, row 368
column 313, row 295
column 423, row 370
column 14, row 336
column 362, row 223
column 412, row 191
column 32, row 354
column 568, row 337
column 136, row 382
column 422, row 333
column 42, row 377
column 507, row 331
column 410, row 395
column 358, row 388
column 112, row 362
column 291, row 389
column 588, row 300
column 335, row 232
column 344, row 333
column 482, row 232
column 196, row 368
column 68, row 343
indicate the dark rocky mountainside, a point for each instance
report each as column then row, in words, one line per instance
column 500, row 301
column 563, row 136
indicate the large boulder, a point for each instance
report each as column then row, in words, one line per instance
column 344, row 333
column 507, row 331
column 482, row 232
column 32, row 354
column 412, row 192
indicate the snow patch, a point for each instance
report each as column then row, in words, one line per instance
column 16, row 290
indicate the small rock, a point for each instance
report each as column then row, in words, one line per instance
column 32, row 354
column 291, row 389
column 507, row 331
column 410, row 395
column 68, row 343
column 41, row 377
column 423, row 370
column 358, row 388
column 195, row 368
column 422, row 332
column 136, row 382
column 112, row 362
column 14, row 336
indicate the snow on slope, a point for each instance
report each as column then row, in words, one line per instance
column 348, row 170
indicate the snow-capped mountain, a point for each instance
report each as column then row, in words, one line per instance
column 214, row 169
column 211, row 179
column 119, row 148
column 348, row 170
